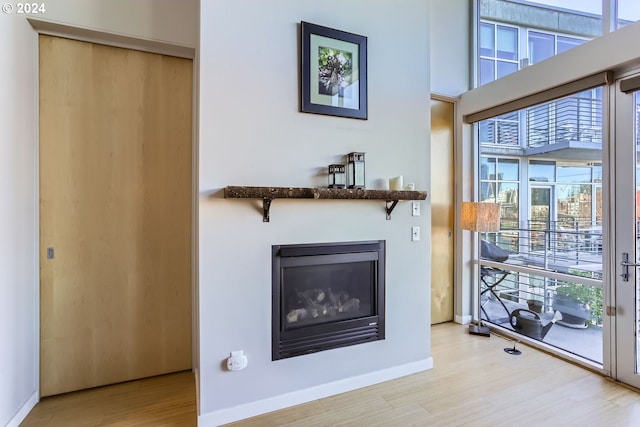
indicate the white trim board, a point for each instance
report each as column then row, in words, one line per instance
column 463, row 320
column 286, row 400
column 24, row 411
column 112, row 39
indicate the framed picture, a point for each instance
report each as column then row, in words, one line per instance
column 334, row 72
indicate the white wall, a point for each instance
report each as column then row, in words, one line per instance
column 450, row 32
column 249, row 117
column 172, row 21
column 251, row 133
column 18, row 356
column 450, row 61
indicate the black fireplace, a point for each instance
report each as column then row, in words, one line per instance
column 326, row 295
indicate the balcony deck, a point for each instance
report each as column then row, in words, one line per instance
column 586, row 343
column 546, row 258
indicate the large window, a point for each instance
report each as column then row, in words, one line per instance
column 498, row 51
column 544, row 164
column 545, row 45
column 548, row 179
column 573, row 119
column 502, row 52
column 513, row 34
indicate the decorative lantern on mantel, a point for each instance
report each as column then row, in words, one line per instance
column 336, row 176
column 355, row 170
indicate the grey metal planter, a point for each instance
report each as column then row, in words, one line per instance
column 574, row 314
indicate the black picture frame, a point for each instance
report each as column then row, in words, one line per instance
column 334, row 72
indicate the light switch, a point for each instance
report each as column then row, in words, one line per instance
column 415, row 233
column 415, row 208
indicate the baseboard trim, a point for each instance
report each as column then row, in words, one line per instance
column 286, row 400
column 24, row 411
column 196, row 375
column 463, row 320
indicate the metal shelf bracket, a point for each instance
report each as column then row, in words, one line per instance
column 266, row 205
column 391, row 204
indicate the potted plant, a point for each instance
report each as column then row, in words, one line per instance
column 580, row 305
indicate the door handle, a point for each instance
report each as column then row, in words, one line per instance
column 625, row 266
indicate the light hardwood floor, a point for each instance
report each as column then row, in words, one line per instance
column 473, row 383
column 167, row 400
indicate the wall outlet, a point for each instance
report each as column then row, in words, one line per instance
column 236, row 361
column 415, row 233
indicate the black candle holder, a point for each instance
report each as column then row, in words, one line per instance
column 336, row 176
column 355, row 170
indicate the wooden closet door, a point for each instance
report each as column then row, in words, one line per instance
column 115, row 214
column 442, row 201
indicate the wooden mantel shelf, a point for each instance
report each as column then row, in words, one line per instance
column 267, row 194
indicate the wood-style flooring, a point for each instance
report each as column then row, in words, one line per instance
column 167, row 400
column 473, row 383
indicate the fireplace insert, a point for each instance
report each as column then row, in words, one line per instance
column 326, row 295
